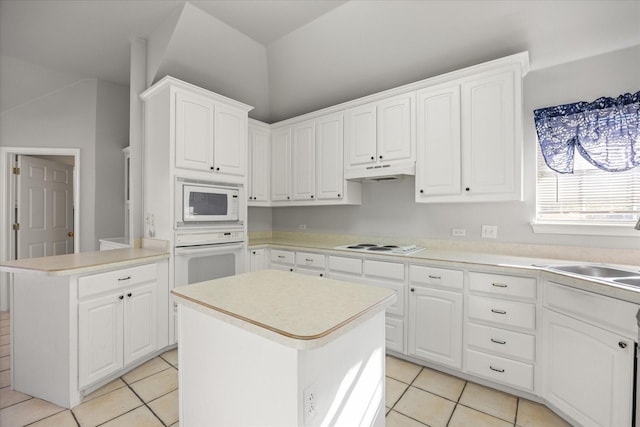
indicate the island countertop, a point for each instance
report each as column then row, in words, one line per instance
column 89, row 262
column 295, row 309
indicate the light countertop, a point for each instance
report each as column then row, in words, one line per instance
column 298, row 310
column 446, row 257
column 88, row 262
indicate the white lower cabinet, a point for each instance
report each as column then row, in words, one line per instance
column 257, row 260
column 501, row 329
column 117, row 321
column 435, row 325
column 588, row 370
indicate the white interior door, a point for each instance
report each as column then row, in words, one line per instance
column 44, row 201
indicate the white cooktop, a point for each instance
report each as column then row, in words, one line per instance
column 381, row 249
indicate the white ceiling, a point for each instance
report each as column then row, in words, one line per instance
column 288, row 57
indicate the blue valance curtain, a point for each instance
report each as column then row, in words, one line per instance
column 606, row 132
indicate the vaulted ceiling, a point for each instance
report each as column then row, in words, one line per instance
column 289, row 57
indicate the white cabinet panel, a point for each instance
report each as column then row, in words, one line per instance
column 499, row 369
column 502, row 341
column 385, row 269
column 308, row 259
column 140, row 322
column 435, row 325
column 503, row 312
column 394, row 128
column 503, row 285
column 259, row 160
column 230, row 137
column 361, row 134
column 442, row 277
column 438, row 149
column 394, row 334
column 345, row 265
column 194, row 132
column 588, row 371
column 303, row 160
column 330, row 157
column 257, row 260
column 281, row 165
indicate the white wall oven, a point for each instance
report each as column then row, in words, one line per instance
column 207, row 255
column 201, row 203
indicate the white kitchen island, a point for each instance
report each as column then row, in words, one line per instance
column 275, row 348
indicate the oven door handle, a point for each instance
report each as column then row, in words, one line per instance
column 223, row 247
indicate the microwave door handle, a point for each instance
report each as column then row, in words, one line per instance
column 211, row 249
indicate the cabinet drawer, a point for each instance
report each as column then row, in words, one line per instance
column 388, row 270
column 436, row 276
column 394, row 334
column 310, row 272
column 503, row 285
column 605, row 312
column 503, row 312
column 511, row 372
column 283, row 257
column 310, row 260
column 502, row 341
column 345, row 265
column 111, row 280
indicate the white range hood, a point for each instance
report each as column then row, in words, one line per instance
column 381, row 172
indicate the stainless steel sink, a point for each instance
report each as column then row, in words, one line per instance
column 633, row 281
column 594, row 271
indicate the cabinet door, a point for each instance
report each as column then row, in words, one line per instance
column 230, row 141
column 256, row 260
column 194, row 132
column 488, row 134
column 140, row 322
column 588, row 373
column 329, row 157
column 435, row 325
column 303, row 161
column 438, row 148
column 395, row 132
column 361, row 135
column 100, row 338
column 259, row 161
column 281, row 165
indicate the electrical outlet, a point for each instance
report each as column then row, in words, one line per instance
column 490, row 231
column 310, row 403
column 458, row 232
column 302, row 227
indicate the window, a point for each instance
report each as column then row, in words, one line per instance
column 600, row 184
column 588, row 194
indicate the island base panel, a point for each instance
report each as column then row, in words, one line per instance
column 230, row 376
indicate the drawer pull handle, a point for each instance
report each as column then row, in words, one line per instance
column 496, row 369
column 121, row 279
column 498, row 341
column 493, row 310
column 435, row 277
column 309, row 259
column 281, row 256
column 499, row 285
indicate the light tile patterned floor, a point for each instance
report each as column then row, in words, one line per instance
column 148, row 396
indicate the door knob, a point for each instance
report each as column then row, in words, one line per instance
column 70, row 234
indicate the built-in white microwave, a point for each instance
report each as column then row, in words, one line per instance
column 200, row 203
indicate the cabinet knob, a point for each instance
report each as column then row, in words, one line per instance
column 467, row 189
column 217, row 169
column 321, row 275
column 212, row 168
column 380, row 156
column 288, row 197
column 291, row 269
column 129, row 295
column 413, row 289
column 421, row 191
column 622, row 344
column 312, row 196
column 121, row 297
column 254, row 252
column 372, row 158
column 339, row 195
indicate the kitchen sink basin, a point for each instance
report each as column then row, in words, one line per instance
column 594, row 271
column 633, row 281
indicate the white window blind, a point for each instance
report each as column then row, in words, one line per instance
column 589, row 195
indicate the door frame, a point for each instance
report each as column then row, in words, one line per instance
column 6, row 193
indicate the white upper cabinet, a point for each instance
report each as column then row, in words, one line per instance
column 438, row 170
column 194, row 132
column 259, row 155
column 303, row 162
column 329, row 157
column 281, row 165
column 470, row 139
column 229, row 154
column 380, row 138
